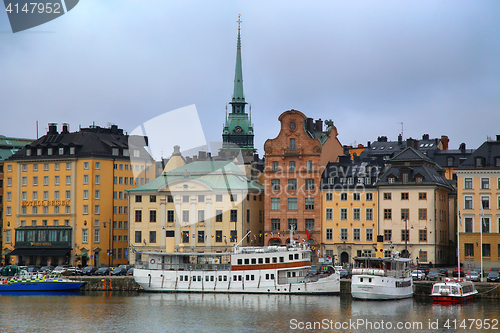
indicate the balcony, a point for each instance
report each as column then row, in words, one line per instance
column 292, row 151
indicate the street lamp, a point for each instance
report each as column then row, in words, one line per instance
column 406, row 238
column 110, row 245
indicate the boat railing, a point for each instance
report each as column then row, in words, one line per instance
column 298, row 279
column 182, row 267
column 380, row 272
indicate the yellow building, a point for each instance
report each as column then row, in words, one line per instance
column 67, row 201
column 349, row 210
column 478, row 185
column 203, row 206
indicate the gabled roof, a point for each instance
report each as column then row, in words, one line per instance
column 409, row 154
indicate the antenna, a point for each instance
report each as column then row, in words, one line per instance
column 401, row 129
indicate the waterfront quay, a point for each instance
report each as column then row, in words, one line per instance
column 420, row 289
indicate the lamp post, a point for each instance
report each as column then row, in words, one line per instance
column 110, row 245
column 406, row 238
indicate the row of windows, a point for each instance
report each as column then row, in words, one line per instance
column 97, row 237
column 117, row 166
column 351, row 180
column 34, row 195
column 405, row 235
column 292, row 203
column 185, row 218
column 34, row 210
column 485, row 224
column 24, row 180
column 485, row 202
column 484, row 184
column 405, row 214
column 356, row 196
column 46, row 166
column 267, row 260
column 406, row 196
column 344, row 216
column 292, row 185
column 186, row 198
column 469, row 250
column 292, row 166
column 45, row 223
column 125, row 180
column 292, row 224
column 344, row 234
column 185, row 236
column 211, row 278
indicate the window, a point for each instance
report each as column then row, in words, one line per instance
column 405, row 235
column 68, row 180
column 169, row 198
column 138, row 237
column 201, row 198
column 343, row 214
column 292, row 184
column 9, row 167
column 309, row 184
column 97, row 165
column 138, row 198
column 469, row 223
column 218, row 215
column 8, row 236
column 56, row 180
column 485, row 202
column 234, row 236
column 343, row 196
column 97, row 179
column 344, row 234
column 85, row 165
column 486, row 250
column 468, row 202
column 292, row 224
column 201, row 215
column 329, row 196
column 468, row 183
column 356, row 234
column 404, row 196
column 275, row 224
column 97, row 209
column 387, row 235
column 85, row 209
column 233, row 197
column 369, row 214
column 356, row 214
column 422, row 196
column 152, row 236
column 185, row 216
column 405, row 214
column 275, row 204
column 68, row 166
column 218, row 198
column 8, row 211
column 85, row 194
column 218, row 236
column 486, row 224
column 309, row 165
column 24, row 181
column 356, row 196
column 68, row 195
column 9, row 196
column 387, row 196
column 292, row 143
column 35, row 166
column 422, row 235
column 275, row 185
column 152, row 216
column 329, row 233
column 309, row 203
column 292, row 203
column 201, row 236
column 329, row 214
column 291, row 166
column 309, row 224
column 275, row 165
column 369, row 234
column 422, row 213
column 138, row 215
column 35, row 181
column 233, row 215
column 85, row 235
column 387, row 214
column 97, row 235
column 485, row 183
column 97, row 194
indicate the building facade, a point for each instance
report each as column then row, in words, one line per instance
column 203, row 206
column 478, row 186
column 294, row 163
column 67, row 200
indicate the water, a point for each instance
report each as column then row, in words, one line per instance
column 144, row 312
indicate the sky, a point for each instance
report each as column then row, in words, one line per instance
column 367, row 65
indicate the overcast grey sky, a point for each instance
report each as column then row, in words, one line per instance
column 367, row 65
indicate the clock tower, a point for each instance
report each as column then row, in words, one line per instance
column 237, row 134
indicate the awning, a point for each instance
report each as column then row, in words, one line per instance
column 56, row 252
column 27, row 252
column 6, row 253
column 83, row 254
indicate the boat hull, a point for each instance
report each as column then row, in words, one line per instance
column 380, row 288
column 452, row 299
column 208, row 282
column 41, row 285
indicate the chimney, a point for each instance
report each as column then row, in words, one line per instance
column 425, row 137
column 202, row 155
column 65, row 128
column 309, row 124
column 319, row 125
column 444, row 141
column 412, row 143
column 400, row 139
column 462, row 147
column 498, row 137
column 52, row 128
column 368, row 144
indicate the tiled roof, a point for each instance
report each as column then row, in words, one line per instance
column 489, row 151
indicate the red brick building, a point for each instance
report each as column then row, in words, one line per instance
column 294, row 163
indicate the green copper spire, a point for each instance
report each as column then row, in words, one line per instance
column 238, row 96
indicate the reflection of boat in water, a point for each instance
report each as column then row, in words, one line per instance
column 453, row 290
column 32, row 282
column 381, row 278
column 272, row 269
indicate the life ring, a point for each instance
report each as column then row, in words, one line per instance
column 152, row 261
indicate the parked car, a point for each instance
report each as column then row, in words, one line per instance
column 417, row 275
column 434, row 276
column 473, row 276
column 127, row 267
column 60, row 269
column 119, row 271
column 478, row 270
column 89, row 270
column 102, row 271
column 443, row 272
column 73, row 271
column 493, row 277
column 495, row 270
column 345, row 274
column 424, row 269
column 34, row 268
column 455, row 272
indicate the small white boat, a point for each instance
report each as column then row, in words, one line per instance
column 381, row 278
column 453, row 290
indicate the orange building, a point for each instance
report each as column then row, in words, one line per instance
column 294, row 163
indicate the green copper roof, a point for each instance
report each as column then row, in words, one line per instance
column 238, row 96
column 217, row 175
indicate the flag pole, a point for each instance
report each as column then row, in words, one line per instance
column 481, row 227
column 459, row 222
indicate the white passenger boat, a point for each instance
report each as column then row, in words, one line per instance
column 381, row 278
column 453, row 290
column 272, row 269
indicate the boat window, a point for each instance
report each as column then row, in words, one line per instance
column 290, row 257
column 370, row 280
column 275, row 260
column 211, row 277
column 225, row 277
column 282, row 259
column 220, row 277
column 268, row 260
column 247, row 261
column 252, row 277
column 207, row 278
column 293, row 274
column 267, row 276
column 272, row 276
column 261, row 260
column 247, row 277
column 234, row 278
column 240, row 261
column 254, row 261
column 240, row 277
column 360, row 279
column 186, row 278
column 199, row 277
column 296, row 256
column 287, row 274
column 182, row 278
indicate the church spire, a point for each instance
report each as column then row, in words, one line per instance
column 238, row 101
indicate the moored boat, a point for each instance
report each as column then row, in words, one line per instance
column 29, row 282
column 453, row 290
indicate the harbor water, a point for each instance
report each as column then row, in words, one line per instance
column 153, row 312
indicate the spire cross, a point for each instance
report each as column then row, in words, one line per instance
column 239, row 21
